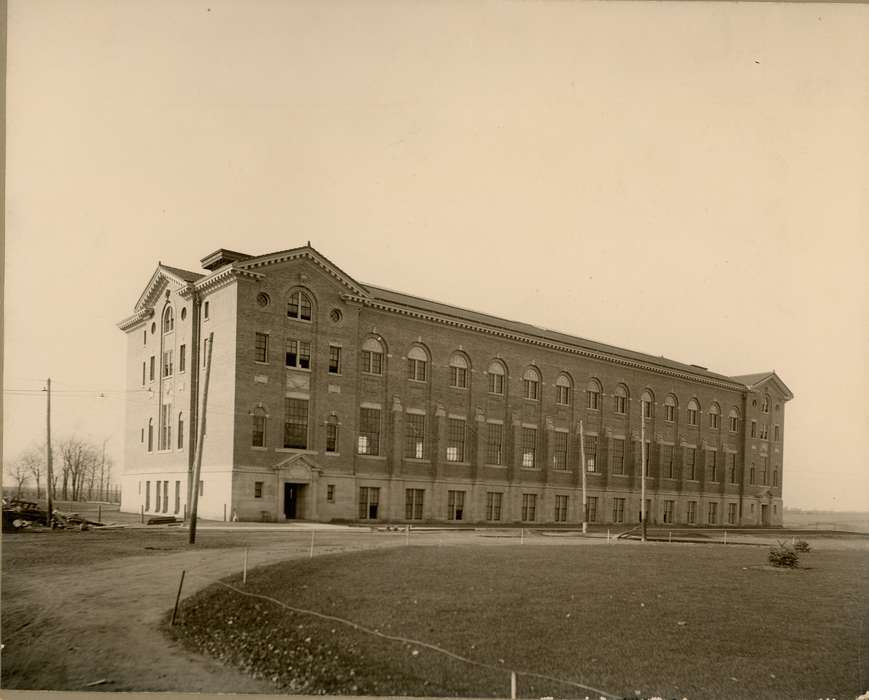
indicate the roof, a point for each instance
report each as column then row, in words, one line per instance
column 753, row 381
column 406, row 300
column 186, row 275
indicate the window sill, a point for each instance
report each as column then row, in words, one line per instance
column 298, row 369
column 496, row 394
column 415, row 460
column 297, row 450
column 296, row 318
column 381, row 457
column 332, row 454
column 496, row 466
column 417, row 381
column 334, row 374
column 259, row 448
column 261, row 362
column 530, row 469
column 458, row 464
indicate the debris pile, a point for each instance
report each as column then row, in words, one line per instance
column 19, row 514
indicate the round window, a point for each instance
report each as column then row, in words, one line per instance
column 335, row 315
column 262, row 299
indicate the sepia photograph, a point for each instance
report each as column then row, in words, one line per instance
column 486, row 349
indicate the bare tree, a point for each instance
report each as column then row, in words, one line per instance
column 19, row 474
column 80, row 462
column 33, row 460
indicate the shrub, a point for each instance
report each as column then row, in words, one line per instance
column 802, row 546
column 783, row 556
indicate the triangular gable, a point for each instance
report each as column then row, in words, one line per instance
column 162, row 277
column 297, row 466
column 756, row 381
column 305, row 253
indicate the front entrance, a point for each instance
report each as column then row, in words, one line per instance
column 292, row 500
column 764, row 515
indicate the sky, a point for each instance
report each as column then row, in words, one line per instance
column 683, row 179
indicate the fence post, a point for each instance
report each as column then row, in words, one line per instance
column 512, row 685
column 407, row 535
column 312, row 543
column 725, row 537
column 141, row 514
column 522, row 536
column 670, row 537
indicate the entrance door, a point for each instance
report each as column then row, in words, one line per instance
column 291, row 495
column 764, row 515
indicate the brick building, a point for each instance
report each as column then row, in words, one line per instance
column 335, row 400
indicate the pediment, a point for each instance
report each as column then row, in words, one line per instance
column 298, row 467
column 160, row 280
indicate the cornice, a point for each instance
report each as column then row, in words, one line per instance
column 541, row 342
column 160, row 277
column 225, row 277
column 132, row 321
column 311, row 255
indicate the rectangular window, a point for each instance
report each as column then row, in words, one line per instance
column 764, row 467
column 618, row 456
column 167, row 363
column 618, row 510
column 493, row 505
column 182, row 358
column 620, row 404
column 713, row 465
column 731, row 514
column 754, row 428
column 561, row 509
column 157, row 485
column 734, row 424
column 298, row 354
column 731, row 466
column 180, row 431
column 775, row 477
column 764, row 431
column 331, row 436
column 592, row 400
column 413, row 499
column 257, row 489
column 205, row 311
column 369, row 431
column 712, row 516
column 455, row 505
column 165, row 441
column 459, row 377
column 692, row 416
column 165, row 496
column 372, row 362
column 334, row 359
column 201, row 487
column 529, row 507
column 532, row 388
column 646, row 457
column 559, row 452
column 296, row 424
column 147, row 495
column 204, row 352
column 776, row 433
column 456, row 440
column 369, row 499
column 669, row 413
column 258, row 429
column 330, row 493
column 669, row 509
column 691, row 516
column 151, row 371
column 667, row 466
column 562, row 395
column 495, row 444
column 143, row 373
column 529, row 447
column 591, row 453
column 416, row 369
column 261, row 347
column 691, row 463
column 177, row 497
column 713, row 421
column 414, row 436
column 496, row 383
column 591, row 507
column 751, row 478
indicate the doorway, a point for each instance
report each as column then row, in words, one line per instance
column 292, row 500
column 764, row 515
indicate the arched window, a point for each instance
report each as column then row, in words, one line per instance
column 531, row 384
column 620, row 399
column 372, row 356
column 150, row 435
column 299, row 306
column 459, row 371
column 258, row 427
column 593, row 391
column 764, row 407
column 417, row 364
column 168, row 320
column 647, row 402
column 693, row 411
column 496, row 374
column 714, row 416
column 670, row 406
column 733, row 416
column 563, row 390
column 180, row 430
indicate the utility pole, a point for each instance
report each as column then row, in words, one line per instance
column 48, row 448
column 103, row 473
column 197, row 466
column 643, row 467
column 583, row 467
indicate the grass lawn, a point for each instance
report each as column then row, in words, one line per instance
column 690, row 621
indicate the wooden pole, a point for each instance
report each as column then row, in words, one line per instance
column 244, row 570
column 178, row 597
column 50, row 509
column 312, row 543
column 583, row 467
column 197, row 467
column 513, row 685
column 643, row 469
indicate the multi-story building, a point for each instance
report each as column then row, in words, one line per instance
column 329, row 399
